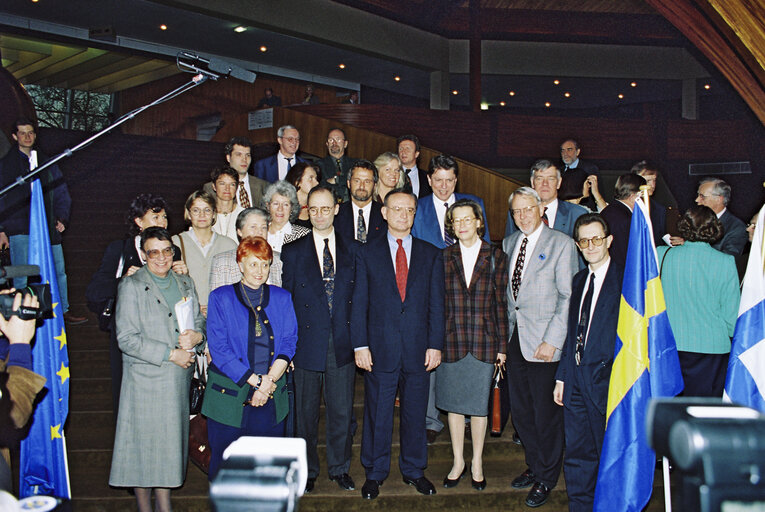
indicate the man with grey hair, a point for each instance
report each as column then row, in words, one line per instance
column 276, row 167
column 715, row 193
column 224, row 269
column 559, row 215
column 543, row 263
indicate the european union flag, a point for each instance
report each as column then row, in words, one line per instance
column 44, row 468
column 645, row 366
column 745, row 382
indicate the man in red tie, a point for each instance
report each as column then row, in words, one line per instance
column 397, row 331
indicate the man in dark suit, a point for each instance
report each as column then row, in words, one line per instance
column 618, row 214
column 584, row 370
column 250, row 190
column 575, row 171
column 318, row 271
column 658, row 211
column 397, row 331
column 335, row 166
column 542, row 264
column 360, row 218
column 559, row 215
column 408, row 152
column 269, row 99
column 715, row 193
column 276, row 167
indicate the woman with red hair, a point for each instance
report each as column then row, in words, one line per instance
column 252, row 333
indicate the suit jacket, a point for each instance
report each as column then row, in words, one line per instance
column 398, row 333
column 268, row 168
column 618, row 216
column 345, row 223
column 426, row 225
column 598, row 354
column 476, row 315
column 257, row 189
column 425, row 189
column 658, row 214
column 734, row 237
column 541, row 310
column 564, row 218
column 329, row 170
column 302, row 277
column 573, row 180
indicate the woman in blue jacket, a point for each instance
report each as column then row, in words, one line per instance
column 252, row 333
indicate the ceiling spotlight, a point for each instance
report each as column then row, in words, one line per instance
column 484, row 106
column 264, row 49
column 240, row 29
column 547, row 104
column 567, row 94
column 163, row 27
column 512, row 93
column 707, row 86
column 502, row 103
column 341, row 66
column 633, row 84
column 556, row 82
column 397, row 78
column 455, row 92
column 621, row 96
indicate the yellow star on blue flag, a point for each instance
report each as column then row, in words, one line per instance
column 62, row 338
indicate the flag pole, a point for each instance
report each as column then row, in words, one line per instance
column 644, row 194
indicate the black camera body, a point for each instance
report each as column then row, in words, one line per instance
column 39, row 290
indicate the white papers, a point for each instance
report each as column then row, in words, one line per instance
column 185, row 314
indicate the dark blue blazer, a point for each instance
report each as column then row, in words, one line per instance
column 426, row 222
column 398, row 334
column 302, row 277
column 344, row 222
column 658, row 213
column 734, row 236
column 618, row 216
column 564, row 218
column 598, row 357
column 268, row 168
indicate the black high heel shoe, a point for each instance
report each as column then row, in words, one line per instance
column 449, row 483
column 478, row 486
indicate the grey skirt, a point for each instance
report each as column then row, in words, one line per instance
column 463, row 386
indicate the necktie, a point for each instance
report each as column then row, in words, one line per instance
column 244, row 198
column 584, row 321
column 516, row 281
column 361, row 228
column 448, row 240
column 544, row 218
column 401, row 269
column 328, row 273
column 289, row 164
column 407, row 171
column 339, row 171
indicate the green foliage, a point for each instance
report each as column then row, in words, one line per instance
column 67, row 108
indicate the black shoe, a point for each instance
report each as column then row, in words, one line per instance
column 309, row 485
column 344, row 481
column 525, row 479
column 431, row 435
column 478, row 486
column 449, row 483
column 538, row 495
column 517, row 439
column 371, row 489
column 422, row 485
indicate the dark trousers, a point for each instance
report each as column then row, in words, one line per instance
column 379, row 398
column 585, row 428
column 703, row 374
column 538, row 420
column 337, row 387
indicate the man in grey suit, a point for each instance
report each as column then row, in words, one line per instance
column 543, row 263
column 559, row 215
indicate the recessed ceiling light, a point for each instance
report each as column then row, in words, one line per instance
column 511, row 93
column 455, row 92
column 556, row 82
column 397, row 78
column 484, row 106
column 547, row 103
column 502, row 103
column 633, row 84
column 240, row 29
column 341, row 65
column 163, row 27
column 707, row 86
column 35, row 1
column 567, row 94
column 264, row 49
column 621, row 96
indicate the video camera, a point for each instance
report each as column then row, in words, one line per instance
column 39, row 290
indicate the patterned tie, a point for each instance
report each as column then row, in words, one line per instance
column 244, row 197
column 339, row 171
column 401, row 269
column 361, row 228
column 516, row 281
column 448, row 240
column 328, row 274
column 584, row 321
column 544, row 218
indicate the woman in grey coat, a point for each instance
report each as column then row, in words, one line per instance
column 151, row 441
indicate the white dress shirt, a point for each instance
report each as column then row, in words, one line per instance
column 318, row 241
column 530, row 245
column 469, row 259
column 282, row 161
column 600, row 276
column 414, row 177
column 551, row 211
column 441, row 210
column 365, row 211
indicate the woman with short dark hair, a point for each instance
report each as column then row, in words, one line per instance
column 702, row 296
column 303, row 176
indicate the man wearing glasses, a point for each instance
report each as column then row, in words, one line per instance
column 276, row 167
column 584, row 370
column 542, row 264
column 715, row 193
column 397, row 330
column 336, row 165
column 318, row 271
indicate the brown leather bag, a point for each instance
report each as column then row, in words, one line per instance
column 199, row 447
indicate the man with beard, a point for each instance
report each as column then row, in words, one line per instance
column 360, row 218
column 335, row 166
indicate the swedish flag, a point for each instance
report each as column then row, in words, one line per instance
column 645, row 366
column 44, row 468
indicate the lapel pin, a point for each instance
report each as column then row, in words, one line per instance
column 542, row 257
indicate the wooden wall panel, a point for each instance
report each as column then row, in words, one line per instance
column 690, row 140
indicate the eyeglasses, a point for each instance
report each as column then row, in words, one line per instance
column 196, row 212
column 338, row 140
column 154, row 254
column 398, row 209
column 325, row 210
column 291, row 139
column 277, row 205
column 464, row 220
column 705, row 196
column 518, row 211
column 597, row 241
